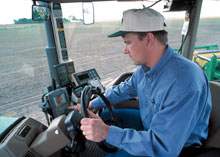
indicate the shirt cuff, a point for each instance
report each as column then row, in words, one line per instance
column 114, row 136
column 97, row 103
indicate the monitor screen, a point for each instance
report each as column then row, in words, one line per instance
column 83, row 76
column 62, row 75
column 59, row 100
column 70, row 67
column 61, row 69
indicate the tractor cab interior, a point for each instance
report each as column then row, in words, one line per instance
column 75, row 77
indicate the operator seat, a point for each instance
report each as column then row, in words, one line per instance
column 131, row 103
column 211, row 146
column 213, row 140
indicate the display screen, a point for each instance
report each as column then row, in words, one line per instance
column 61, row 69
column 70, row 68
column 60, row 100
column 62, row 75
column 83, row 77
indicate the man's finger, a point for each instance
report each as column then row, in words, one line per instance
column 83, row 128
column 72, row 107
column 84, row 121
column 92, row 115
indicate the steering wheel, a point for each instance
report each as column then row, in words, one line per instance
column 85, row 98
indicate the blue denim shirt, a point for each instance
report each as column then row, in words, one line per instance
column 175, row 106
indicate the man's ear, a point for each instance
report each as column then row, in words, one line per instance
column 150, row 38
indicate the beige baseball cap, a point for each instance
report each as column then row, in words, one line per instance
column 140, row 20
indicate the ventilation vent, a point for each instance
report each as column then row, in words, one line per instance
column 29, row 154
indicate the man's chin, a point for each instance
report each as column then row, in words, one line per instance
column 137, row 64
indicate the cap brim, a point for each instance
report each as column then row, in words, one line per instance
column 119, row 33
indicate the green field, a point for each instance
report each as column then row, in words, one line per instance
column 24, row 69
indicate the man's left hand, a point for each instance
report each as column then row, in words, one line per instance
column 94, row 129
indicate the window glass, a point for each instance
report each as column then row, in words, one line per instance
column 24, row 71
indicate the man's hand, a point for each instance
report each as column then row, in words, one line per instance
column 94, row 129
column 78, row 107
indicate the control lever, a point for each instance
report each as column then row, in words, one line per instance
column 75, row 97
column 72, row 123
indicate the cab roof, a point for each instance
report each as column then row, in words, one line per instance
column 71, row 1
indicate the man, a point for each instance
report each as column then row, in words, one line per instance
column 173, row 92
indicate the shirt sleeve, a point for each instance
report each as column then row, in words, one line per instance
column 116, row 94
column 169, row 130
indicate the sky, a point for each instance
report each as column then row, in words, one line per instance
column 11, row 10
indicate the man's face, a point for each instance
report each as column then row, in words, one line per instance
column 136, row 48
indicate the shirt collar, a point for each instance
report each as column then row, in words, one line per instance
column 163, row 61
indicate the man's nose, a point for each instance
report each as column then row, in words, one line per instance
column 126, row 51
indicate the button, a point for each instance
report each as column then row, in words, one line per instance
column 153, row 101
column 57, row 132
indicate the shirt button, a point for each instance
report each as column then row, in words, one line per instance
column 152, row 101
column 148, row 78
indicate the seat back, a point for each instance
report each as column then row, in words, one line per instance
column 213, row 140
column 132, row 103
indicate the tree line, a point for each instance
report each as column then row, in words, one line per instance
column 30, row 21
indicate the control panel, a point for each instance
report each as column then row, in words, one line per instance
column 64, row 72
column 18, row 139
column 57, row 23
column 58, row 102
column 76, row 94
column 73, row 82
column 85, row 77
